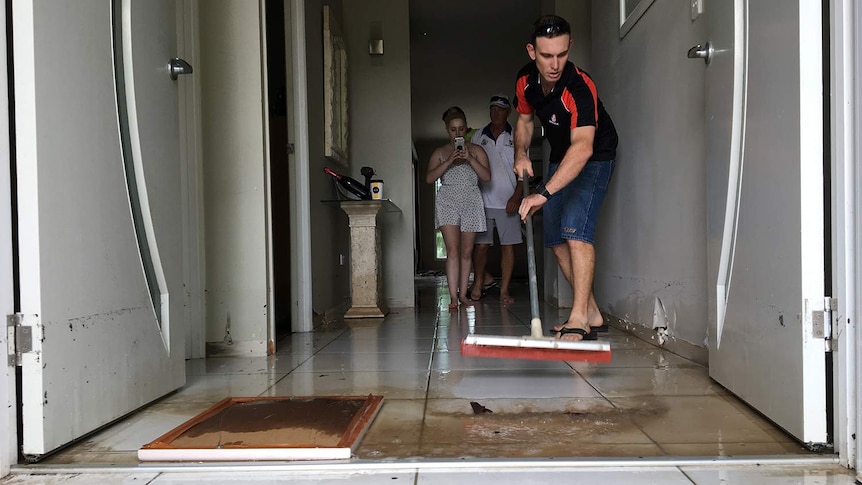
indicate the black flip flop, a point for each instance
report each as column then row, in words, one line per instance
column 602, row 329
column 490, row 285
column 583, row 333
column 487, row 287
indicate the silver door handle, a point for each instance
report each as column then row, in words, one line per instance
column 701, row 52
column 179, row 66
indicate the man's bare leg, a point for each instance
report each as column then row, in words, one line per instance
column 583, row 260
column 507, row 265
column 480, row 260
column 564, row 259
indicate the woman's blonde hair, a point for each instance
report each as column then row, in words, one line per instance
column 453, row 113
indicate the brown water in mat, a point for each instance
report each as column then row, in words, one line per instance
column 316, row 422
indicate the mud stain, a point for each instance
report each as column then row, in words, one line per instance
column 574, row 431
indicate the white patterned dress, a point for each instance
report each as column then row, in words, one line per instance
column 459, row 200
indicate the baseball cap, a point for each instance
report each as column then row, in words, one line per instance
column 500, row 101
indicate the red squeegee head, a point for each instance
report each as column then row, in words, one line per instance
column 529, row 348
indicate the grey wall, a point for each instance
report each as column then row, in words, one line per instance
column 652, row 234
column 233, row 166
column 330, row 234
column 380, row 128
column 379, row 107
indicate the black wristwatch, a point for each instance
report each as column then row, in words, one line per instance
column 543, row 191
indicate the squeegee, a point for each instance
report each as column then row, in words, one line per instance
column 534, row 346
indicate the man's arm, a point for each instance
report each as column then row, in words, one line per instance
column 523, row 138
column 575, row 158
column 571, row 165
column 515, row 199
column 437, row 167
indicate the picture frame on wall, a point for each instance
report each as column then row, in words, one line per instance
column 336, row 116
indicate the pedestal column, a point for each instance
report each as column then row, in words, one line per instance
column 366, row 276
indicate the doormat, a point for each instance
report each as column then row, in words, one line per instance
column 269, row 428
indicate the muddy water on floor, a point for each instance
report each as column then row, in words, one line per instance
column 523, row 429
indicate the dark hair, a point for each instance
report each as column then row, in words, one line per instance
column 550, row 26
column 452, row 113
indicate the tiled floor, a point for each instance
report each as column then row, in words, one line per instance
column 555, row 417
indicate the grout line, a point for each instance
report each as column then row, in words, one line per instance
column 428, row 379
column 686, row 475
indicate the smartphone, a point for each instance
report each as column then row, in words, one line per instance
column 459, row 142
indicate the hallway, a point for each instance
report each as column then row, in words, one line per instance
column 647, row 403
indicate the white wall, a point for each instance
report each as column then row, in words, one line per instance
column 652, row 232
column 380, row 133
column 8, row 399
column 233, row 165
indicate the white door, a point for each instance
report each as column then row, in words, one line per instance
column 99, row 212
column 766, row 209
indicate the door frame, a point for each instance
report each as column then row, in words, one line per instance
column 301, row 312
column 8, row 380
column 847, row 146
column 845, row 26
column 191, row 149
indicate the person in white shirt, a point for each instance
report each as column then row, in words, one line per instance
column 502, row 197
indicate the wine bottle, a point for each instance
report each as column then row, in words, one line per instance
column 351, row 185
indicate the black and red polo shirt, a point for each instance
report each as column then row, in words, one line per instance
column 573, row 102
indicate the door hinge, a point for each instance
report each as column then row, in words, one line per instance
column 19, row 337
column 830, row 305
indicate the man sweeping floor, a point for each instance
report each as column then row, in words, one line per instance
column 583, row 143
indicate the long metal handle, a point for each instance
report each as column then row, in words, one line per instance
column 535, row 321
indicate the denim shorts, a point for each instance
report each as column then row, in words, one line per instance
column 573, row 211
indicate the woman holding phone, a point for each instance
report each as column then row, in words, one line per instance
column 459, row 212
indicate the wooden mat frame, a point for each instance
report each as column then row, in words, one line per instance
column 163, row 449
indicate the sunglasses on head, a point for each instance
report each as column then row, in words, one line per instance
column 551, row 28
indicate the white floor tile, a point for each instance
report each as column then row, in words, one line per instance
column 273, row 364
column 537, row 383
column 786, row 475
column 454, row 361
column 144, row 427
column 367, row 362
column 318, row 478
column 214, row 388
column 577, row 477
column 370, row 346
column 394, row 385
column 653, row 358
column 81, row 479
column 660, row 381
